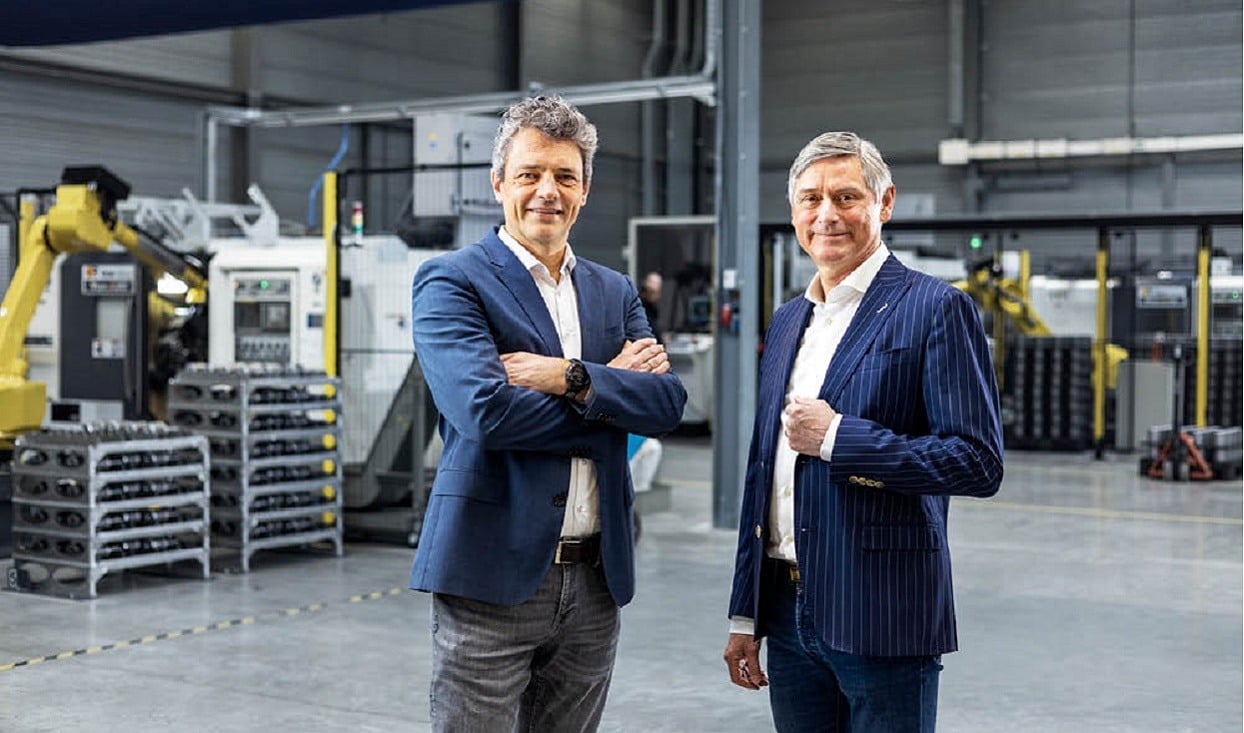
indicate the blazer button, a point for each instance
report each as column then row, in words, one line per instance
column 559, row 501
column 759, row 531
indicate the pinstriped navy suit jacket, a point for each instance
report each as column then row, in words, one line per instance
column 913, row 380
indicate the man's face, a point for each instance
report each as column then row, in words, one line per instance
column 837, row 218
column 651, row 291
column 542, row 189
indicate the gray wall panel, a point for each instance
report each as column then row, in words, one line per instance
column 196, row 58
column 589, row 42
column 878, row 68
column 583, row 42
column 437, row 52
column 152, row 143
column 1077, row 72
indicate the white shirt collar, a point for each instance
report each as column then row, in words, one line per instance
column 855, row 283
column 529, row 260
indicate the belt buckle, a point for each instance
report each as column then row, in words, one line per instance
column 794, row 574
column 562, row 544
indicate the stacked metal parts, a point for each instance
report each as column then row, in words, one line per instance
column 276, row 470
column 1050, row 393
column 99, row 498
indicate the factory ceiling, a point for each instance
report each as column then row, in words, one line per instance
column 44, row 23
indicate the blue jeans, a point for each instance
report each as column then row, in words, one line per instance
column 814, row 688
column 543, row 665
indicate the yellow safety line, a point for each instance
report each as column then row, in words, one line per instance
column 219, row 625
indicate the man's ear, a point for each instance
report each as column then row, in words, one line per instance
column 887, row 203
column 496, row 185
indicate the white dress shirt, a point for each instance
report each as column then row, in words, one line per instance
column 582, row 516
column 831, row 314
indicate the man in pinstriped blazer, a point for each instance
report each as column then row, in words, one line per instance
column 877, row 403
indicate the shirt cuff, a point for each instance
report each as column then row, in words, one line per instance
column 827, row 445
column 742, row 625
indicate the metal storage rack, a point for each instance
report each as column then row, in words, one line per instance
column 276, row 468
column 94, row 499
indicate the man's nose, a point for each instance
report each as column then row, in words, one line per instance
column 827, row 211
column 547, row 187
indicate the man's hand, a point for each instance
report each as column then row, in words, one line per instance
column 805, row 422
column 644, row 355
column 545, row 374
column 742, row 658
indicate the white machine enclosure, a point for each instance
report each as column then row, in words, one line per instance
column 375, row 345
column 458, row 150
column 375, row 339
column 267, row 303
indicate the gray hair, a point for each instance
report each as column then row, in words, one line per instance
column 552, row 116
column 835, row 144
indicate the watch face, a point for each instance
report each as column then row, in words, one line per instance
column 577, row 378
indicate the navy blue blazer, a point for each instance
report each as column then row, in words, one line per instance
column 914, row 382
column 498, row 500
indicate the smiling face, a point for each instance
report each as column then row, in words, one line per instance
column 836, row 216
column 541, row 189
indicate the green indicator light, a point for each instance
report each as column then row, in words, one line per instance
column 263, row 284
column 976, row 242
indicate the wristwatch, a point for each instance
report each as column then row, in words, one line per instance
column 577, row 378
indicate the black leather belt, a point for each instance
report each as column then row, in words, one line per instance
column 783, row 570
column 576, row 550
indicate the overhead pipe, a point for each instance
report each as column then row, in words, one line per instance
column 962, row 152
column 701, row 86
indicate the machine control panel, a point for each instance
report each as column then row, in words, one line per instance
column 261, row 317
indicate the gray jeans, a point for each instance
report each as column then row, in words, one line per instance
column 543, row 665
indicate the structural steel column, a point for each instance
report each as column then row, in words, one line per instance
column 737, row 262
column 1205, row 241
column 1099, row 343
column 331, row 250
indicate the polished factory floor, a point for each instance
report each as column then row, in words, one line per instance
column 1089, row 599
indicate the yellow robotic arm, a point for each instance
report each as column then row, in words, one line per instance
column 84, row 218
column 1003, row 296
column 1006, row 297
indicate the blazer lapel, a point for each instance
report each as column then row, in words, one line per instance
column 784, row 338
column 519, row 282
column 588, row 291
column 879, row 304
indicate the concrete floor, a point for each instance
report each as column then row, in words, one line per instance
column 1089, row 600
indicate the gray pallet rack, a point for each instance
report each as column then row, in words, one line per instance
column 100, row 498
column 276, row 468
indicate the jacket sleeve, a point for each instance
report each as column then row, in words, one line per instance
column 462, row 366
column 637, row 402
column 961, row 451
column 743, row 589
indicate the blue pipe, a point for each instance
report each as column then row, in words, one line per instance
column 319, row 181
